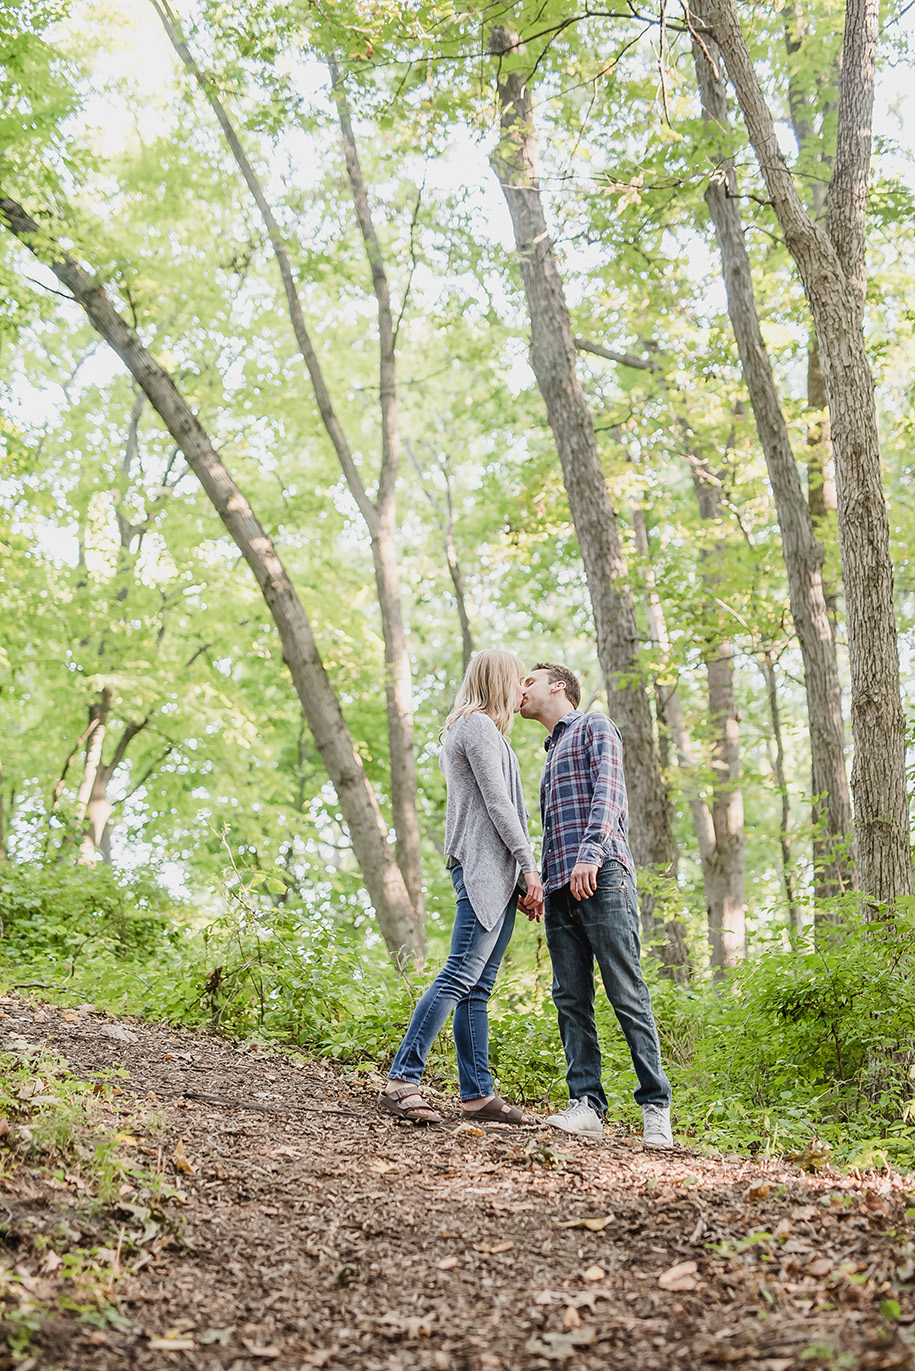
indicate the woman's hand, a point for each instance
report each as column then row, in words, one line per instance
column 532, row 900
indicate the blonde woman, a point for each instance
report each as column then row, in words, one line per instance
column 487, row 845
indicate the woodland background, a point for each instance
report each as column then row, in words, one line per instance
column 476, row 327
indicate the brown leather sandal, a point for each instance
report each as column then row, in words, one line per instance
column 498, row 1110
column 391, row 1101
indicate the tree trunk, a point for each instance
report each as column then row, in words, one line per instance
column 98, row 727
column 379, row 514
column 784, row 836
column 832, row 268
column 553, row 360
column 832, row 819
column 724, row 870
column 320, row 705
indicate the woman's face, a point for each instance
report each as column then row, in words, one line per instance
column 519, row 691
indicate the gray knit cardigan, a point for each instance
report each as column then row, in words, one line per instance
column 485, row 821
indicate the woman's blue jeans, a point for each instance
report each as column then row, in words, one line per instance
column 464, row 984
column 602, row 928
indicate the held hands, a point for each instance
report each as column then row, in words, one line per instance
column 584, row 880
column 532, row 900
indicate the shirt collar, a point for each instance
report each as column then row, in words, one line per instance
column 560, row 728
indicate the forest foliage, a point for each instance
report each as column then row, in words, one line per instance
column 171, row 841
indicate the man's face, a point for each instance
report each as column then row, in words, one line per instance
column 536, row 694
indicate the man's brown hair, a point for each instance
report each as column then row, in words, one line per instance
column 568, row 678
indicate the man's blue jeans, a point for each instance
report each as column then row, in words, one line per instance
column 464, row 984
column 604, row 927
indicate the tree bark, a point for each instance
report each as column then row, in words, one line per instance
column 379, row 514
column 832, row 268
column 724, row 868
column 834, row 867
column 98, row 727
column 320, row 705
column 784, row 836
column 553, row 360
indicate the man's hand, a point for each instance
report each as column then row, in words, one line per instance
column 584, row 880
column 532, row 900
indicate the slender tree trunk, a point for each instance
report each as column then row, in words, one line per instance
column 4, row 852
column 724, row 871
column 379, row 514
column 553, row 361
column 784, row 835
column 833, row 270
column 320, row 705
column 832, row 819
column 98, row 722
column 670, row 708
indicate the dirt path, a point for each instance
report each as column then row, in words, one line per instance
column 315, row 1233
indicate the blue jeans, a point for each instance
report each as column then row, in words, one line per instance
column 464, row 984
column 604, row 927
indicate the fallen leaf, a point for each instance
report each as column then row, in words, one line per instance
column 803, row 1214
column 758, row 1193
column 320, row 1357
column 571, row 1318
column 778, row 1363
column 561, row 1346
column 51, row 1263
column 783, row 1229
column 288, row 1152
column 217, row 1335
column 382, row 1167
column 491, row 1248
column 97, row 1338
column 821, row 1266
column 594, row 1273
column 181, row 1162
column 596, row 1225
column 679, row 1277
column 69, row 1016
column 447, row 1263
column 471, row 1129
column 266, row 1352
column 173, row 1344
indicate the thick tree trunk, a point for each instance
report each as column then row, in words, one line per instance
column 832, row 268
column 724, row 869
column 832, row 818
column 379, row 514
column 553, row 361
column 320, row 705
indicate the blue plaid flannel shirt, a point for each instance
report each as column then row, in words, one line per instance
column 583, row 797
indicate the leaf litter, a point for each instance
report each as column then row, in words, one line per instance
column 317, row 1233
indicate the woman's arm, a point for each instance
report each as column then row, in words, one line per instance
column 482, row 746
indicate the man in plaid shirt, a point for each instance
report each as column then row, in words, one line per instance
column 591, row 909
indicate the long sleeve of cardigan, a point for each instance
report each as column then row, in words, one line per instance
column 483, row 750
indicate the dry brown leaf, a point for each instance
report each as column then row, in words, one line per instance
column 447, row 1263
column 821, row 1266
column 783, row 1229
column 489, row 1249
column 266, row 1352
column 679, row 1277
column 69, row 1016
column 594, row 1273
column 803, row 1214
column 571, row 1318
column 173, row 1344
column 320, row 1357
column 382, row 1167
column 778, row 1363
column 181, row 1162
column 471, row 1129
column 758, row 1193
column 595, row 1225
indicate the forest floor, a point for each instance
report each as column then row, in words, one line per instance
column 284, row 1223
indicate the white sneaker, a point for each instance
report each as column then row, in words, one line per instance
column 656, row 1129
column 578, row 1117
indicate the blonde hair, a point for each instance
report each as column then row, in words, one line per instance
column 488, row 687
